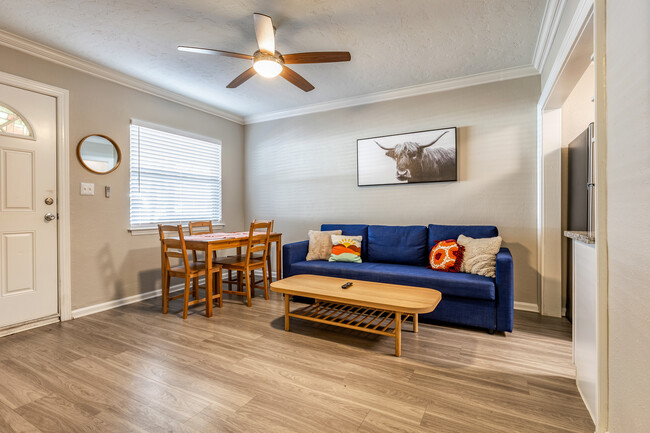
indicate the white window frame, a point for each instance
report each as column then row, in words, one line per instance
column 153, row 229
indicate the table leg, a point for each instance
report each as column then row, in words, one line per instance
column 415, row 322
column 398, row 333
column 163, row 283
column 286, row 312
column 278, row 260
column 219, row 285
column 239, row 274
column 208, row 281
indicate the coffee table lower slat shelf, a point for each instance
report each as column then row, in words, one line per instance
column 351, row 317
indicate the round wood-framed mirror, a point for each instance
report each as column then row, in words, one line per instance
column 99, row 154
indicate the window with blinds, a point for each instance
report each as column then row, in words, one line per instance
column 174, row 178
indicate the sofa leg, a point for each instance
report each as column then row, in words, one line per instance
column 491, row 331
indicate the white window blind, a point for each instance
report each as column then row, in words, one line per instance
column 174, row 178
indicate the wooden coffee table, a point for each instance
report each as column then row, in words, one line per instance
column 377, row 308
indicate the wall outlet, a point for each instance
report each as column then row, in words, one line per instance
column 87, row 188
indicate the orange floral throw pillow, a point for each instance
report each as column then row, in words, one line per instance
column 446, row 256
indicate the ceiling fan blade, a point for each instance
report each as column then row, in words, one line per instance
column 264, row 33
column 214, row 52
column 296, row 79
column 322, row 57
column 242, row 78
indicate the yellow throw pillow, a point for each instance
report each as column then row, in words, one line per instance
column 346, row 248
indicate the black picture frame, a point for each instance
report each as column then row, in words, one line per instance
column 417, row 157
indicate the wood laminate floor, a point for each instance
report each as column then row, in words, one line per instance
column 133, row 369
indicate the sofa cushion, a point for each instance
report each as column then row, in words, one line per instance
column 449, row 284
column 439, row 232
column 406, row 245
column 352, row 230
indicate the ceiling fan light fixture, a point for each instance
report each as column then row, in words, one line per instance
column 267, row 68
column 268, row 62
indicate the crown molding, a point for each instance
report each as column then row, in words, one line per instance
column 53, row 55
column 404, row 92
column 583, row 13
column 56, row 56
column 547, row 32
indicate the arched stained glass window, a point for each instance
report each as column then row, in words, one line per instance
column 12, row 123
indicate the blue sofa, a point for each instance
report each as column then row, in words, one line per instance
column 399, row 255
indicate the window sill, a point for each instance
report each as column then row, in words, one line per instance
column 153, row 230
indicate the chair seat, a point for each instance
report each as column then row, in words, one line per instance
column 238, row 262
column 215, row 263
column 196, row 268
column 243, row 257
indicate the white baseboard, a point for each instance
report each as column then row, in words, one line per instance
column 98, row 308
column 584, row 400
column 29, row 325
column 526, row 306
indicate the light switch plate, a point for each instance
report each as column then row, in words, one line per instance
column 87, row 188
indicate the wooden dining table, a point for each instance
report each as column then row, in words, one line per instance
column 209, row 242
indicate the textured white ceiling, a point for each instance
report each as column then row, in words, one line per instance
column 393, row 43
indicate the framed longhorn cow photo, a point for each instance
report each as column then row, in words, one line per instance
column 425, row 156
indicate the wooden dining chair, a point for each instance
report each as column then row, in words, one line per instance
column 197, row 228
column 268, row 254
column 269, row 275
column 174, row 248
column 255, row 257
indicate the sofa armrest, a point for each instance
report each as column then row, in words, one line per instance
column 293, row 253
column 505, row 290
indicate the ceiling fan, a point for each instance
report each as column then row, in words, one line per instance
column 270, row 63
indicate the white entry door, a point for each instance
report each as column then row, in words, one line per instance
column 28, row 206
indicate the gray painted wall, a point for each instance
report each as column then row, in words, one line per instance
column 628, row 207
column 301, row 171
column 107, row 262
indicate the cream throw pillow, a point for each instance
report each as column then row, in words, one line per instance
column 320, row 244
column 480, row 256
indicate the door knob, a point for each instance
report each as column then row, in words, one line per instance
column 50, row 217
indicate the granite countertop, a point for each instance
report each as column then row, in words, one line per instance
column 580, row 236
